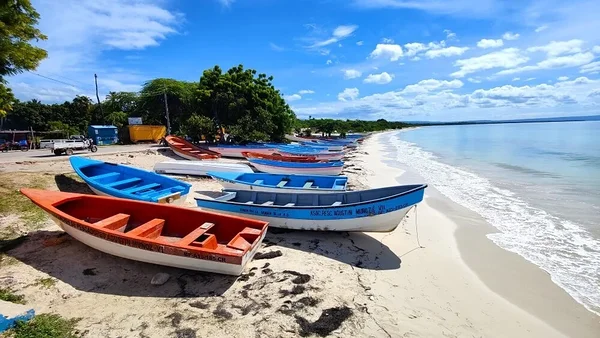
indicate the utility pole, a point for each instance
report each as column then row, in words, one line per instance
column 98, row 97
column 167, row 111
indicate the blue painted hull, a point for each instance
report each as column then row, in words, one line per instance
column 127, row 182
column 368, row 210
column 281, row 183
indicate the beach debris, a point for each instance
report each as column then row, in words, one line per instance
column 185, row 333
column 330, row 320
column 222, row 313
column 175, row 318
column 199, row 305
column 268, row 255
column 160, row 278
column 245, row 276
column 266, row 265
column 296, row 290
column 300, row 277
column 266, row 271
column 289, row 307
column 89, row 272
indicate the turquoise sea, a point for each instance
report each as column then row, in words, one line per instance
column 538, row 183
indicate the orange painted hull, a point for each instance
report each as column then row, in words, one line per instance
column 159, row 234
column 284, row 158
column 188, row 150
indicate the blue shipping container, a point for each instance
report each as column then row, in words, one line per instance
column 103, row 135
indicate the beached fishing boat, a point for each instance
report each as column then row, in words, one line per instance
column 378, row 210
column 117, row 180
column 291, row 168
column 235, row 151
column 279, row 157
column 189, row 151
column 160, row 234
column 199, row 168
column 330, row 146
column 300, row 184
column 330, row 156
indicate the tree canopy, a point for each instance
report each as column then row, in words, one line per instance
column 17, row 28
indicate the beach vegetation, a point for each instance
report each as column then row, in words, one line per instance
column 45, row 326
column 46, row 282
column 9, row 295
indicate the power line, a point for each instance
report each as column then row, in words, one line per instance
column 55, row 80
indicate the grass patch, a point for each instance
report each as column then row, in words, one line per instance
column 12, row 202
column 45, row 326
column 46, row 282
column 8, row 295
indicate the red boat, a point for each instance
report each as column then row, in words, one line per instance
column 188, row 150
column 283, row 158
column 155, row 233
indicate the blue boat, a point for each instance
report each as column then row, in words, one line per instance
column 300, row 184
column 377, row 210
column 111, row 179
column 331, row 168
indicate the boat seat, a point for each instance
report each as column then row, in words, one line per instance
column 250, row 202
column 268, row 203
column 194, row 151
column 239, row 243
column 141, row 188
column 186, row 148
column 122, row 182
column 151, row 229
column 193, row 236
column 101, row 176
column 336, row 203
column 282, row 183
column 290, row 205
column 307, row 185
column 114, row 222
column 259, row 182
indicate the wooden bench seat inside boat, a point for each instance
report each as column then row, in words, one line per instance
column 123, row 182
column 282, row 183
column 115, row 222
column 307, row 185
column 150, row 229
column 141, row 188
column 107, row 175
column 259, row 182
column 244, row 239
column 336, row 203
column 186, row 148
column 194, row 235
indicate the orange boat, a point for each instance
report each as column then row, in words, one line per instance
column 155, row 233
column 188, row 150
column 284, row 158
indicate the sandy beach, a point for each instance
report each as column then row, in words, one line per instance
column 436, row 275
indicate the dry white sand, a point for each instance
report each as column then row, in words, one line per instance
column 391, row 287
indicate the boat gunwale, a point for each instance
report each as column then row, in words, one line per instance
column 232, row 191
column 316, row 190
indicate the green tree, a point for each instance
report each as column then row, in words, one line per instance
column 180, row 98
column 17, row 28
column 198, row 125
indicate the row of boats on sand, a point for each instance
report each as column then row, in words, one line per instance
column 136, row 216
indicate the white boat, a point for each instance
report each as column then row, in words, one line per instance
column 297, row 168
column 235, row 151
column 199, row 168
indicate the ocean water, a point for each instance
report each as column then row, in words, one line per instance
column 539, row 184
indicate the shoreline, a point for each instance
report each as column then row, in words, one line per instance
column 532, row 297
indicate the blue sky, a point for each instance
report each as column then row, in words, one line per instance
column 368, row 59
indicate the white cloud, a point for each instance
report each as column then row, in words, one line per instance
column 596, row 49
column 563, row 78
column 506, row 58
column 360, row 43
column 328, row 62
column 556, row 48
column 293, row 97
column 459, row 8
column 449, row 34
column 351, row 74
column 446, row 52
column 416, row 58
column 541, row 28
column 382, row 78
column 387, row 40
column 429, row 85
column 490, row 43
column 393, row 52
column 510, row 36
column 530, row 79
column 276, row 47
column 516, row 79
column 348, row 94
column 566, row 61
column 339, row 33
column 474, row 80
column 340, row 45
column 590, row 67
column 306, row 91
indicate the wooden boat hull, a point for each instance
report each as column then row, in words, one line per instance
column 303, row 184
column 329, row 171
column 236, row 152
column 159, row 234
column 199, row 168
column 377, row 215
column 189, row 151
column 110, row 179
column 283, row 158
column 146, row 256
column 318, row 156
